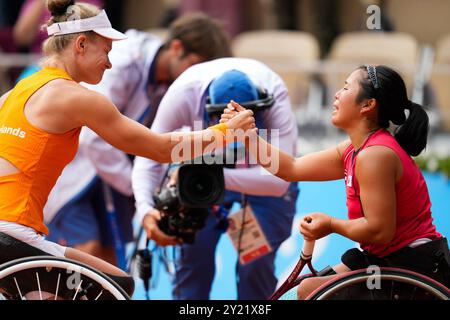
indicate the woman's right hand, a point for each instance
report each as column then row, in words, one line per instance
column 237, row 117
column 315, row 226
column 150, row 224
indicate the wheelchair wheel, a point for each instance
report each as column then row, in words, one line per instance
column 51, row 278
column 393, row 284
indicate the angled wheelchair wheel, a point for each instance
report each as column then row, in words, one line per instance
column 51, row 278
column 390, row 284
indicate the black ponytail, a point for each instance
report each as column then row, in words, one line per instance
column 392, row 99
column 412, row 135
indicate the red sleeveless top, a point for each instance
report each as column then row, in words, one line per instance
column 414, row 219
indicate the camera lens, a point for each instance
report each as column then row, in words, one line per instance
column 184, row 207
column 200, row 187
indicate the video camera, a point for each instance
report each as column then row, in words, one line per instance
column 184, row 207
column 265, row 101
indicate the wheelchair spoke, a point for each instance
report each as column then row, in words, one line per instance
column 413, row 293
column 101, row 292
column 347, row 294
column 372, row 296
column 57, row 286
column 78, row 290
column 26, row 280
column 392, row 291
column 18, row 289
column 39, row 286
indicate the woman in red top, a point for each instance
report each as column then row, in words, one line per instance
column 387, row 197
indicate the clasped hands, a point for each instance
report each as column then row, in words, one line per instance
column 237, row 117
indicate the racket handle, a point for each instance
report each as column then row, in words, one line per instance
column 308, row 248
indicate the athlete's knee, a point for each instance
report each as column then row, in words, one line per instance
column 306, row 287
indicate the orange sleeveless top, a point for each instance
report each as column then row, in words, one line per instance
column 39, row 156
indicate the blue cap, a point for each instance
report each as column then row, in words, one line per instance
column 232, row 85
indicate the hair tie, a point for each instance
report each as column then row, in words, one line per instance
column 372, row 71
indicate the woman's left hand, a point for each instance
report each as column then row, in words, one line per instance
column 315, row 225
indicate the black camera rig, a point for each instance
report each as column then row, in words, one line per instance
column 184, row 206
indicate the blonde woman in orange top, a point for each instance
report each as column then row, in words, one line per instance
column 41, row 118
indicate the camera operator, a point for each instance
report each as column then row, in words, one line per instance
column 201, row 88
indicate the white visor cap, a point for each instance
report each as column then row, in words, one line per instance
column 100, row 24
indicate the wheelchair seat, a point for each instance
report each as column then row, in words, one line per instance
column 12, row 249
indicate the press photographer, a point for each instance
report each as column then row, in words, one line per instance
column 199, row 95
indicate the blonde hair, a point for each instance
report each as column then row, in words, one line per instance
column 66, row 10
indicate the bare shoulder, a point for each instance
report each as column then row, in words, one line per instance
column 72, row 97
column 75, row 103
column 378, row 159
column 64, row 92
column 378, row 153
